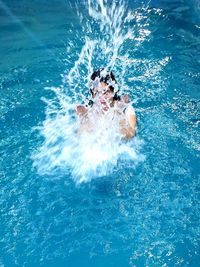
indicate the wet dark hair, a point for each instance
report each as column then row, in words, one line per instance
column 106, row 79
column 116, row 96
column 97, row 74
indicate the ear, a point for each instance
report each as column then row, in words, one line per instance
column 111, row 88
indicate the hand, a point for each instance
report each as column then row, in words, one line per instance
column 80, row 110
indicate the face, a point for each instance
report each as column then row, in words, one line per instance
column 105, row 95
column 105, row 91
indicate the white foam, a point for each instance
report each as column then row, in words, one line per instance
column 98, row 153
column 87, row 155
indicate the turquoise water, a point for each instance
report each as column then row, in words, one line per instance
column 62, row 203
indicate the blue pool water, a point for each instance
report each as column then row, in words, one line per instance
column 71, row 202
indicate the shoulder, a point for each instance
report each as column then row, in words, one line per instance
column 130, row 110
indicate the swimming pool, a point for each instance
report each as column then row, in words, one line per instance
column 137, row 211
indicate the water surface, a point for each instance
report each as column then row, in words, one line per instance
column 129, row 212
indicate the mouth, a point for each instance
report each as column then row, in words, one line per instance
column 103, row 102
column 104, row 105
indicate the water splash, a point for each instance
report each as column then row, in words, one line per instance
column 87, row 155
column 104, row 43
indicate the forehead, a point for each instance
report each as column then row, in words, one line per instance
column 103, row 85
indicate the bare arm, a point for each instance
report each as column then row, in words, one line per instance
column 82, row 119
column 129, row 132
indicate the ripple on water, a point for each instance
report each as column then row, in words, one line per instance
column 146, row 215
